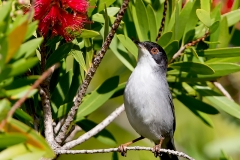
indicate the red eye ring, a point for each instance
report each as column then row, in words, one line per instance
column 154, row 50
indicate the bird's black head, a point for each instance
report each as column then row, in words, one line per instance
column 156, row 51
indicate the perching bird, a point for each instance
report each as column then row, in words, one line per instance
column 148, row 100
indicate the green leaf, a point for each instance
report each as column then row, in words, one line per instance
column 189, row 31
column 28, row 48
column 121, row 53
column 10, row 139
column 214, row 34
column 18, row 67
column 64, row 109
column 31, row 29
column 101, row 3
column 165, row 39
column 153, row 26
column 98, row 97
column 183, row 19
column 60, row 93
column 33, row 138
column 4, row 51
column 140, row 19
column 112, row 11
column 88, row 33
column 177, row 21
column 195, row 104
column 232, row 17
column 59, row 54
column 230, row 59
column 220, row 52
column 196, row 68
column 100, row 18
column 13, row 152
column 18, row 93
column 5, row 10
column 206, row 5
column 15, row 39
column 128, row 44
column 214, row 27
column 78, row 56
column 119, row 90
column 171, row 49
column 222, row 69
column 204, row 17
column 104, row 136
column 5, row 105
column 33, row 156
column 219, row 101
column 224, row 37
column 106, row 25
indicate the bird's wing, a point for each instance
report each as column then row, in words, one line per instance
column 173, row 111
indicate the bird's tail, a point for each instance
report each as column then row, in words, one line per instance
column 166, row 156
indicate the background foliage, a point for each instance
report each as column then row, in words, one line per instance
column 207, row 121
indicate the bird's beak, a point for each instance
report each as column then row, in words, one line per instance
column 139, row 44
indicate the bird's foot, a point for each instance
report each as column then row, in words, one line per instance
column 156, row 150
column 123, row 150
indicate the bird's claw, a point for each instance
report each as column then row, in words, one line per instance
column 123, row 150
column 156, row 150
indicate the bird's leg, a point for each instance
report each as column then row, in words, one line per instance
column 123, row 147
column 157, row 147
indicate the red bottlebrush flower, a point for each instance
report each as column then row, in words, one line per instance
column 226, row 5
column 76, row 5
column 61, row 17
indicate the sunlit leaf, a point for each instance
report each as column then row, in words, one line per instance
column 59, row 54
column 220, row 52
column 140, row 19
column 197, row 68
column 33, row 138
column 165, row 39
column 153, row 26
column 98, row 97
column 129, row 45
column 15, row 39
column 11, row 139
column 204, row 17
column 232, row 17
column 219, row 101
column 27, row 48
column 88, row 33
column 104, row 136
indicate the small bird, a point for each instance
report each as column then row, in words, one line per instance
column 148, row 100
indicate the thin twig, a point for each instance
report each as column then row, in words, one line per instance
column 97, row 60
column 21, row 100
column 136, row 148
column 96, row 129
column 163, row 20
column 193, row 43
column 223, row 90
column 73, row 133
column 58, row 126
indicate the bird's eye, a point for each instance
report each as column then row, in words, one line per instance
column 154, row 50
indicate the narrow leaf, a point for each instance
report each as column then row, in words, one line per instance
column 192, row 67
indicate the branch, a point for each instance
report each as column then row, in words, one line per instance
column 193, row 43
column 163, row 20
column 97, row 60
column 21, row 100
column 47, row 112
column 136, row 148
column 223, row 90
column 96, row 129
